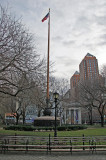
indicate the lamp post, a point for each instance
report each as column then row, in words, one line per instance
column 56, row 95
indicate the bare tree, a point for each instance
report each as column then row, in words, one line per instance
column 17, row 55
column 91, row 94
column 103, row 71
column 61, row 85
column 7, row 105
column 18, row 60
column 33, row 95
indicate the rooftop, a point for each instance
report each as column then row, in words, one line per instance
column 89, row 55
column 76, row 73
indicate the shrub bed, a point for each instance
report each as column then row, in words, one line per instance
column 71, row 127
column 33, row 128
column 20, row 128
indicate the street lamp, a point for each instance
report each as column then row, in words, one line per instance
column 55, row 95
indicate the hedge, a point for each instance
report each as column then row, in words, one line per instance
column 20, row 128
column 71, row 127
column 33, row 128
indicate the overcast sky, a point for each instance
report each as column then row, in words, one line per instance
column 78, row 27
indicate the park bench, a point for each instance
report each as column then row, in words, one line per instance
column 72, row 144
column 100, row 143
column 23, row 143
column 52, row 144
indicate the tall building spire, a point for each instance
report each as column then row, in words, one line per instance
column 76, row 73
column 89, row 55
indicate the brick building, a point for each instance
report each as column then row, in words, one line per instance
column 89, row 68
column 88, row 71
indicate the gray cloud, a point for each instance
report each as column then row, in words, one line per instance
column 66, row 61
column 103, row 36
column 57, row 38
column 102, row 41
column 68, row 43
column 77, row 27
column 100, row 20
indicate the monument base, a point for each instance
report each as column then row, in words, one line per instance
column 47, row 121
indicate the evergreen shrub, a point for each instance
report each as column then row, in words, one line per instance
column 33, row 128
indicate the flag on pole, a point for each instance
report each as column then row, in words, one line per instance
column 45, row 18
column 47, row 15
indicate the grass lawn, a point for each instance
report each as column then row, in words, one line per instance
column 86, row 132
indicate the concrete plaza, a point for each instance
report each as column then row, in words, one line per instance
column 53, row 156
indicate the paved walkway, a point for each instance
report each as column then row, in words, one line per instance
column 53, row 156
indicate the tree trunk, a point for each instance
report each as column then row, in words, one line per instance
column 90, row 116
column 102, row 120
column 17, row 118
column 39, row 113
column 101, row 116
column 23, row 117
column 3, row 120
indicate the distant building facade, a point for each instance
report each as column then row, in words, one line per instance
column 31, row 113
column 72, row 110
column 89, row 68
column 73, row 85
column 72, row 113
column 74, row 80
column 88, row 71
column 10, row 118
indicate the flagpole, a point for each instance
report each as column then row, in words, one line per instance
column 48, row 58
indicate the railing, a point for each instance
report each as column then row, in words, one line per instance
column 50, row 144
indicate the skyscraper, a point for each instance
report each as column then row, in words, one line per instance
column 88, row 72
column 74, row 79
column 89, row 68
column 73, row 84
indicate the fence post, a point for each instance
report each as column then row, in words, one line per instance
column 27, row 142
column 15, row 138
column 49, row 142
column 5, row 142
column 71, row 146
column 83, row 141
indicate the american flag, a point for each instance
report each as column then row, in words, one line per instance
column 47, row 15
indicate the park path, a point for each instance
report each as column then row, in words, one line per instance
column 53, row 156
